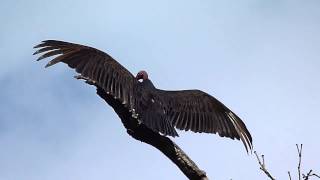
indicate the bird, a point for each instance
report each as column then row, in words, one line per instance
column 162, row 111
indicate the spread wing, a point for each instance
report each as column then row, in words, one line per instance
column 199, row 112
column 92, row 64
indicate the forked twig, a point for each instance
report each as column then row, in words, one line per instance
column 300, row 175
column 310, row 174
column 263, row 165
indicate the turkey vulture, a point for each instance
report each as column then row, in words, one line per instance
column 159, row 110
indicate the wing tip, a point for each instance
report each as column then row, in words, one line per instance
column 47, row 42
column 242, row 131
column 37, row 52
column 48, row 64
column 41, row 44
column 40, row 58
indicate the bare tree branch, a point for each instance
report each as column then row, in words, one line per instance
column 263, row 165
column 140, row 132
column 300, row 175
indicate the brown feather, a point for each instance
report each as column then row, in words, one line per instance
column 92, row 64
column 213, row 115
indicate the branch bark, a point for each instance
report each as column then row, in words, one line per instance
column 140, row 132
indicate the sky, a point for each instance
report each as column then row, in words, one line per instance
column 260, row 58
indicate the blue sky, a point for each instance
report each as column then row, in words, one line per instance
column 261, row 58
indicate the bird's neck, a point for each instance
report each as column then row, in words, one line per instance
column 148, row 84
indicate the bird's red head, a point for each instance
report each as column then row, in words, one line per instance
column 142, row 75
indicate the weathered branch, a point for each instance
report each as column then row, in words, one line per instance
column 140, row 132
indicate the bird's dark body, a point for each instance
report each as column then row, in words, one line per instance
column 152, row 110
column 159, row 110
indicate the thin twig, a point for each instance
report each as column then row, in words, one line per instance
column 300, row 175
column 306, row 177
column 316, row 175
column 289, row 175
column 263, row 166
column 310, row 174
column 299, row 165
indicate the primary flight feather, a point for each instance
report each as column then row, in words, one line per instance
column 159, row 110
